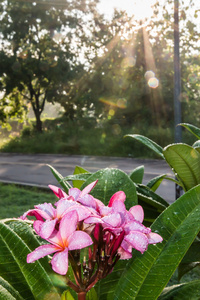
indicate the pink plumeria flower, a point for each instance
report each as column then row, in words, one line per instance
column 61, row 242
column 79, row 196
column 52, row 216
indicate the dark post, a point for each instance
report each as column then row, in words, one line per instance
column 177, row 85
column 177, row 76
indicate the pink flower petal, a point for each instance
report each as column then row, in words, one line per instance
column 119, row 206
column 78, row 240
column 93, row 219
column 136, row 226
column 113, row 220
column 47, row 228
column 47, row 208
column 88, row 188
column 137, row 212
column 88, row 200
column 35, row 213
column 68, row 225
column 74, row 192
column 154, row 238
column 105, row 210
column 137, row 240
column 40, row 252
column 59, row 262
column 64, row 205
column 117, row 196
column 57, row 191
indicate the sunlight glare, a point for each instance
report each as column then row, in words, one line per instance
column 141, row 9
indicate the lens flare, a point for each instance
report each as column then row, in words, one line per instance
column 153, row 83
column 149, row 74
column 115, row 102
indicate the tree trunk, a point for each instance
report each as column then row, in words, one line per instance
column 38, row 122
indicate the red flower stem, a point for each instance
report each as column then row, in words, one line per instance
column 82, row 295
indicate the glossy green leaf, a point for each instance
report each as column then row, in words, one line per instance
column 196, row 145
column 8, row 292
column 31, row 281
column 147, row 142
column 79, row 170
column 153, row 199
column 185, row 161
column 146, row 275
column 77, row 178
column 193, row 129
column 67, row 296
column 66, row 186
column 184, row 291
column 91, row 295
column 155, row 182
column 137, row 174
column 190, row 260
column 111, row 181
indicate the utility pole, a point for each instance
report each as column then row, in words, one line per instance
column 177, row 85
column 177, row 76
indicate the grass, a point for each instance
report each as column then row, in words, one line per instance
column 15, row 200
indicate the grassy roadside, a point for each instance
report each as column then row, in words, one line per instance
column 15, row 200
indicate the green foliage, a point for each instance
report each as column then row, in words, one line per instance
column 20, row 279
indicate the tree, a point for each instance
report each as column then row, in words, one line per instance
column 41, row 51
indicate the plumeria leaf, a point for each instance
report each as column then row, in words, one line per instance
column 77, row 171
column 111, row 181
column 8, row 292
column 66, row 186
column 92, row 295
column 185, row 162
column 193, row 129
column 155, row 182
column 146, row 275
column 147, row 142
column 31, row 281
column 148, row 196
column 196, row 145
column 77, row 178
column 185, row 268
column 190, row 260
column 67, row 296
column 137, row 174
column 184, row 291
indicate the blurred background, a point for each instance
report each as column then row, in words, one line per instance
column 77, row 75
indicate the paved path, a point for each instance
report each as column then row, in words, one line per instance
column 33, row 169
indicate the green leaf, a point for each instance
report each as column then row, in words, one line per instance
column 185, row 162
column 146, row 275
column 67, row 296
column 147, row 142
column 31, row 281
column 77, row 178
column 91, row 295
column 151, row 198
column 193, row 129
column 190, row 260
column 8, row 292
column 137, row 174
column 185, row 268
column 79, row 170
column 155, row 182
column 184, row 291
column 66, row 186
column 111, row 181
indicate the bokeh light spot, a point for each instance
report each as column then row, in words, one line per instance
column 149, row 74
column 116, row 129
column 111, row 112
column 153, row 83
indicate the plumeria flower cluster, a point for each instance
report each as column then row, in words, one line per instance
column 77, row 221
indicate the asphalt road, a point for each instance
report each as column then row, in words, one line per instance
column 33, row 169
